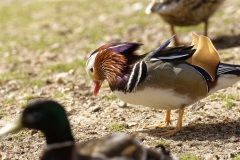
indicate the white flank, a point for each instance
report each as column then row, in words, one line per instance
column 224, row 81
column 156, row 98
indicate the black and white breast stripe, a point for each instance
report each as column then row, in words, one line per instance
column 226, row 68
column 138, row 75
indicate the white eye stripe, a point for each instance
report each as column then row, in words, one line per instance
column 90, row 63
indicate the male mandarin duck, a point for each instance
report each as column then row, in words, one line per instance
column 50, row 118
column 184, row 12
column 167, row 78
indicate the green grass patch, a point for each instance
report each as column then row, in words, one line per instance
column 110, row 97
column 161, row 143
column 7, row 101
column 33, row 82
column 105, row 85
column 221, row 96
column 81, row 137
column 65, row 67
column 23, row 105
column 223, row 52
column 188, row 29
column 2, row 114
column 21, row 78
column 58, row 95
column 188, row 157
column 201, row 113
column 116, row 127
column 12, row 76
column 29, row 97
column 19, row 135
column 216, row 96
column 229, row 105
column 237, row 157
column 228, row 98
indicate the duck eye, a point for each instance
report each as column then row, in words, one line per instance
column 91, row 69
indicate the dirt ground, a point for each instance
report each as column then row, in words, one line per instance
column 211, row 129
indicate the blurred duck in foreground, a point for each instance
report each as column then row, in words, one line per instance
column 167, row 78
column 184, row 12
column 50, row 118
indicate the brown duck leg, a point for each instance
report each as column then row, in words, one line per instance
column 178, row 127
column 176, row 42
column 165, row 123
column 206, row 27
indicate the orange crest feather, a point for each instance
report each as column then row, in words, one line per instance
column 110, row 64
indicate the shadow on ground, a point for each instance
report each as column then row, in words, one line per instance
column 226, row 41
column 202, row 131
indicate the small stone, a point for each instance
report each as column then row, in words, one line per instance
column 132, row 124
column 238, row 85
column 196, row 119
column 60, row 77
column 71, row 71
column 32, row 132
column 211, row 157
column 94, row 109
column 179, row 144
column 104, row 128
column 48, row 81
column 91, row 103
column 137, row 6
column 122, row 104
column 60, row 80
column 69, row 109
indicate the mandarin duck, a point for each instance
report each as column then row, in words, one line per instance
column 166, row 78
column 184, row 12
column 50, row 117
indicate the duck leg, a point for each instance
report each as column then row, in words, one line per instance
column 176, row 42
column 165, row 123
column 178, row 127
column 206, row 27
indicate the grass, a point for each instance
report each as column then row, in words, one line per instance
column 237, row 157
column 4, row 77
column 29, row 97
column 33, row 82
column 81, row 137
column 2, row 114
column 7, row 101
column 217, row 96
column 58, row 95
column 188, row 157
column 229, row 105
column 228, row 98
column 38, row 30
column 162, row 143
column 19, row 135
column 20, row 78
column 189, row 29
column 23, row 105
column 116, row 127
column 65, row 67
column 110, row 97
column 201, row 113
